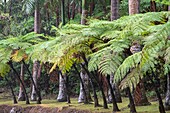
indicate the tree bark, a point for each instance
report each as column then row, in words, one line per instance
column 115, row 90
column 34, row 75
column 153, row 6
column 115, row 107
column 92, row 6
column 5, row 6
column 81, row 85
column 114, row 9
column 63, row 12
column 57, row 17
column 21, row 96
column 84, row 12
column 62, row 96
column 132, row 105
column 140, row 96
column 12, row 91
column 85, row 81
column 134, row 6
column 167, row 98
column 32, row 80
column 18, row 77
column 73, row 5
column 161, row 106
column 37, row 29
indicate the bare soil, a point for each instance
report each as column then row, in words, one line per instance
column 39, row 109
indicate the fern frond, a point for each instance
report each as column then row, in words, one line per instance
column 131, row 79
column 128, row 64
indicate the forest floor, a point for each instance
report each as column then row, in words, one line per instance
column 51, row 105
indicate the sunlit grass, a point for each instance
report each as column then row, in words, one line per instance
column 153, row 108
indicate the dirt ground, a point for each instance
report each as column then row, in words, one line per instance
column 39, row 109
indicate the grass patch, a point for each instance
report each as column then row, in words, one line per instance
column 153, row 108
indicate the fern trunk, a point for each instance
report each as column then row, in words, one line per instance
column 161, row 106
column 153, row 6
column 115, row 106
column 131, row 104
column 21, row 96
column 81, row 85
column 84, row 94
column 134, row 6
column 140, row 96
column 37, row 90
column 115, row 90
column 19, row 79
column 62, row 96
column 12, row 91
column 34, row 76
column 167, row 98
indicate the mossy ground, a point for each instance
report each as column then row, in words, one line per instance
column 153, row 108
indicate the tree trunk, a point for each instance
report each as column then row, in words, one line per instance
column 67, row 89
column 68, row 10
column 5, row 6
column 153, row 6
column 35, row 63
column 161, row 106
column 12, row 91
column 114, row 9
column 167, row 98
column 92, row 6
column 21, row 96
column 57, row 17
column 18, row 77
column 84, row 12
column 63, row 12
column 115, row 90
column 62, row 96
column 140, row 96
column 103, row 3
column 81, row 85
column 103, row 95
column 132, row 105
column 115, row 107
column 73, row 6
column 37, row 90
column 134, row 6
column 85, row 81
column 34, row 75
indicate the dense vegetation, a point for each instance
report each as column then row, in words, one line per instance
column 71, row 47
